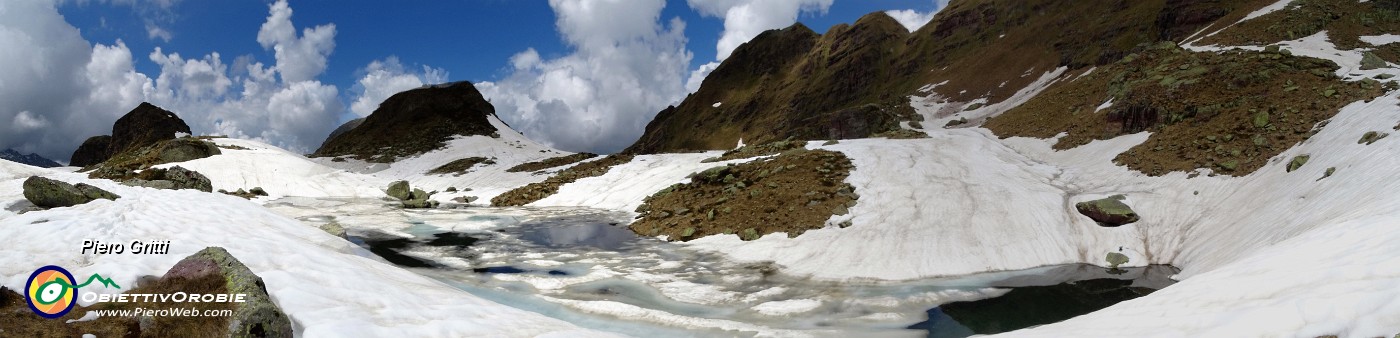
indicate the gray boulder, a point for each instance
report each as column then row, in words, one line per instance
column 47, row 193
column 420, row 204
column 1370, row 61
column 334, row 229
column 398, row 190
column 174, row 178
column 258, row 316
column 1108, row 212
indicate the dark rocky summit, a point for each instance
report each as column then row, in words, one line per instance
column 413, row 122
column 142, row 127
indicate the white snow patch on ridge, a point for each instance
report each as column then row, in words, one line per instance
column 1378, row 40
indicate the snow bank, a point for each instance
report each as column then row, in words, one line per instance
column 485, row 180
column 280, row 172
column 625, row 185
column 314, row 277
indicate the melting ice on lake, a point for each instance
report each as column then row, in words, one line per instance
column 579, row 265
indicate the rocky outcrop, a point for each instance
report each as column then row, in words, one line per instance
column 175, row 178
column 413, row 122
column 258, row 316
column 47, row 193
column 186, row 149
column 124, row 166
column 93, row 151
column 144, row 126
column 1108, row 212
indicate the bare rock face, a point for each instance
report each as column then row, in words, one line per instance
column 93, row 151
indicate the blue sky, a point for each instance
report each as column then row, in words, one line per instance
column 581, row 75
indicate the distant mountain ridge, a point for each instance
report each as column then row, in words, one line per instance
column 30, row 159
column 854, row 80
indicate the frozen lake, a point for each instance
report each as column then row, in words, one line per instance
column 585, row 267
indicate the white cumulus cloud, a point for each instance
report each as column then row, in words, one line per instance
column 913, row 19
column 384, row 78
column 745, row 19
column 57, row 89
column 625, row 65
column 298, row 58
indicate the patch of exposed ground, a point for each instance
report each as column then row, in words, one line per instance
column 1344, row 21
column 461, row 166
column 551, row 162
column 756, row 150
column 538, row 191
column 1229, row 112
column 793, row 192
column 20, row 321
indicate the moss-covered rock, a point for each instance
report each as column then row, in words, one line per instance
column 175, row 178
column 398, row 190
column 1297, row 162
column 1115, row 259
column 1370, row 61
column 1371, row 137
column 47, row 193
column 1108, row 212
column 258, row 316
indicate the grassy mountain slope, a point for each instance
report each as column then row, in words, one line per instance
column 854, row 80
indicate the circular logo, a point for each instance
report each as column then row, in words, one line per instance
column 50, row 291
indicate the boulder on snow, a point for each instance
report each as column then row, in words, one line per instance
column 1370, row 61
column 335, row 229
column 1297, row 162
column 258, row 316
column 174, row 178
column 1108, row 212
column 47, row 193
column 1115, row 259
column 418, row 199
column 399, row 190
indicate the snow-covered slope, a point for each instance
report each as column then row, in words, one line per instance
column 246, row 164
column 485, row 180
column 325, row 284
